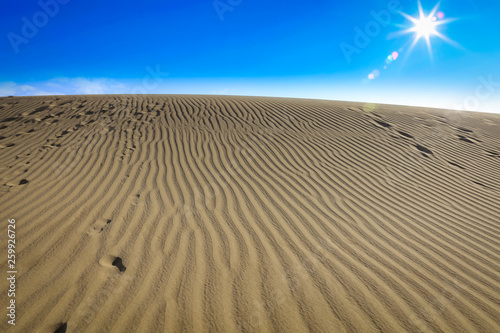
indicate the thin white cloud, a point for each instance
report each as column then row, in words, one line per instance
column 8, row 88
column 90, row 86
column 64, row 86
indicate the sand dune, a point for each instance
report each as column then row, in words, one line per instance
column 166, row 213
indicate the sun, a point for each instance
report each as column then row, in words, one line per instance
column 426, row 26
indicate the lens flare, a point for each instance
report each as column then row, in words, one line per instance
column 369, row 107
column 426, row 27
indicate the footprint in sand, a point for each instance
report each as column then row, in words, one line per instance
column 119, row 264
column 481, row 184
column 39, row 109
column 98, row 227
column 406, row 135
column 462, row 129
column 456, row 165
column 112, row 261
column 19, row 170
column 63, row 133
column 6, row 120
column 423, row 149
column 14, row 183
column 467, row 139
column 382, row 123
column 134, row 200
column 492, row 153
column 62, row 328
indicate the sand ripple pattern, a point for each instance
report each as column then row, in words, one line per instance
column 171, row 213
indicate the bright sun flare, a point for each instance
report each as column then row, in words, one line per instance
column 425, row 27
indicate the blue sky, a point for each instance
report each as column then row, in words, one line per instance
column 310, row 49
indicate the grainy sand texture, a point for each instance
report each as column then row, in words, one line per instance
column 177, row 213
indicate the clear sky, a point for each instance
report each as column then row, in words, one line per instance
column 295, row 48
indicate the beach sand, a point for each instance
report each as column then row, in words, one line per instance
column 177, row 213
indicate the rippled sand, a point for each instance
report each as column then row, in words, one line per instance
column 171, row 213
